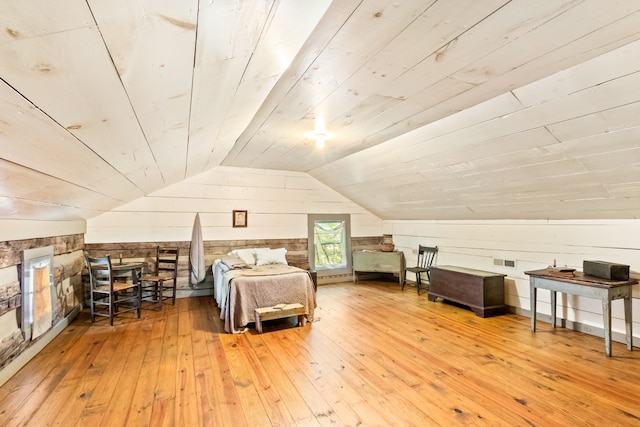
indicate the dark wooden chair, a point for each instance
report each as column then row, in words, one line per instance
column 426, row 255
column 109, row 297
column 164, row 277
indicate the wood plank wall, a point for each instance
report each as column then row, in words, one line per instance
column 532, row 245
column 297, row 255
column 278, row 204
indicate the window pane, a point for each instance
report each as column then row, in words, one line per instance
column 329, row 241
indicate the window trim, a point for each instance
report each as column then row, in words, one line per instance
column 311, row 249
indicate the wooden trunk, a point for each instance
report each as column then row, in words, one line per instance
column 482, row 291
column 379, row 262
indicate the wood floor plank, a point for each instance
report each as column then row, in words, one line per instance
column 206, row 390
column 120, row 340
column 240, row 368
column 265, row 346
column 463, row 362
column 163, row 407
column 24, row 391
column 143, row 396
column 304, row 381
column 116, row 414
column 187, row 405
column 375, row 356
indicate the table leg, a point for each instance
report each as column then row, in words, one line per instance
column 606, row 314
column 533, row 292
column 628, row 320
column 553, row 308
column 160, row 289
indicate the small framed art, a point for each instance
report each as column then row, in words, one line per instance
column 239, row 218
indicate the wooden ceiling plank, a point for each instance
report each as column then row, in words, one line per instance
column 33, row 186
column 513, row 78
column 601, row 122
column 152, row 46
column 624, row 159
column 286, row 30
column 597, row 98
column 508, row 23
column 598, row 144
column 13, row 209
column 581, row 76
column 35, row 18
column 483, row 149
column 70, row 76
column 215, row 85
column 336, row 62
column 32, row 134
column 228, row 33
column 484, row 34
column 559, row 30
column 397, row 61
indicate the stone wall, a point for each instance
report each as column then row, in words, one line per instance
column 68, row 264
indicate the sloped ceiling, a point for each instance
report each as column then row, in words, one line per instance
column 458, row 109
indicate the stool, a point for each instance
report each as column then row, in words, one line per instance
column 278, row 312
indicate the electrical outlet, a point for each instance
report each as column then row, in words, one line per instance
column 509, row 263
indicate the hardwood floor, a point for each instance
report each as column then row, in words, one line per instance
column 377, row 356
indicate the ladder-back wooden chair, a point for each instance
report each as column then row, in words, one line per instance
column 426, row 255
column 109, row 297
column 164, row 277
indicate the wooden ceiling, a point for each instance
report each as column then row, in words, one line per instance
column 458, row 109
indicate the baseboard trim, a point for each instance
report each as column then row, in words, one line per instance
column 618, row 337
column 181, row 293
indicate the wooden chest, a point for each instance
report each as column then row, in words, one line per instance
column 481, row 291
column 379, row 262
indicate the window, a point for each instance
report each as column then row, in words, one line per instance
column 330, row 243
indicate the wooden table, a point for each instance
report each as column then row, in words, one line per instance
column 586, row 286
column 379, row 262
column 127, row 269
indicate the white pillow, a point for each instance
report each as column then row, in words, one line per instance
column 271, row 256
column 233, row 261
column 246, row 255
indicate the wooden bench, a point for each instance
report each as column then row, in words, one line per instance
column 278, row 312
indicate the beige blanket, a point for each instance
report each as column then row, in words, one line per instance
column 265, row 286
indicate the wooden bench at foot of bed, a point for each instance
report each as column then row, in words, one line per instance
column 278, row 312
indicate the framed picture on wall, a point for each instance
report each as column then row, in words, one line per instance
column 239, row 218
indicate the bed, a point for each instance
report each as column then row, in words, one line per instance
column 247, row 279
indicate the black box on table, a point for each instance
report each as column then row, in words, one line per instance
column 606, row 270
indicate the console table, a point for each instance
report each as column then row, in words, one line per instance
column 481, row 291
column 586, row 286
column 379, row 262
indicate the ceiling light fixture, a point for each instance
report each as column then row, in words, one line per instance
column 320, row 139
column 320, row 134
